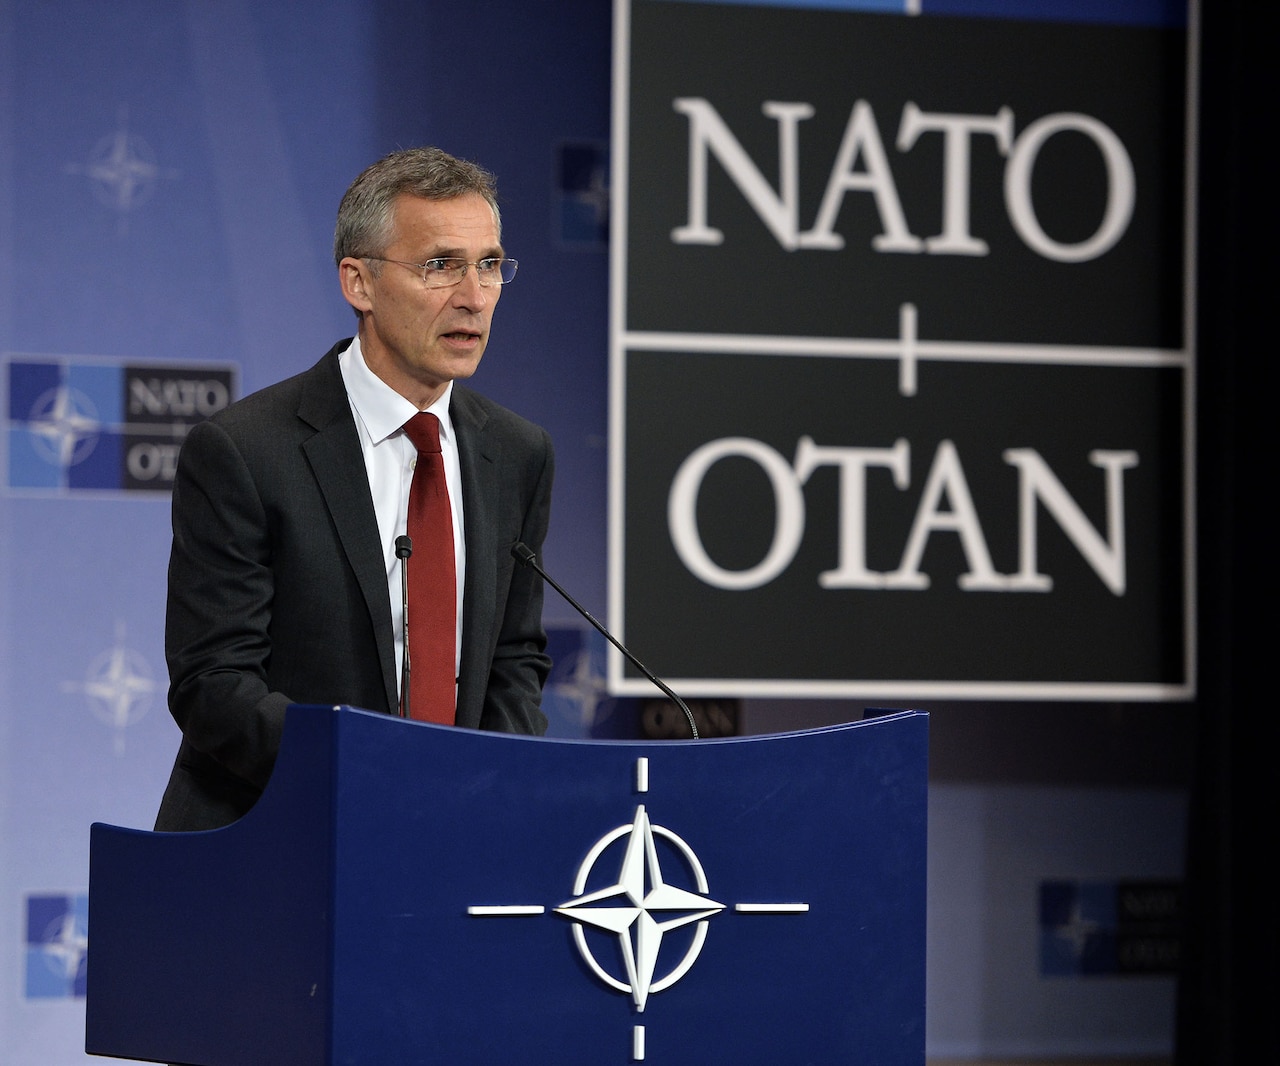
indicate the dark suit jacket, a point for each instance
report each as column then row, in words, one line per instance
column 278, row 589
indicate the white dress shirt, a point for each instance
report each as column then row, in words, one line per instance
column 389, row 459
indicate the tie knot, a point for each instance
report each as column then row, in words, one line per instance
column 424, row 430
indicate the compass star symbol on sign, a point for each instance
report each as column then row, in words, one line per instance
column 640, row 908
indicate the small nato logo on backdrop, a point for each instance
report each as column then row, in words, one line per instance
column 575, row 699
column 57, row 946
column 118, row 687
column 582, row 189
column 1110, row 928
column 90, row 426
column 122, row 170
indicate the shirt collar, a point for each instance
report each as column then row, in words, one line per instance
column 380, row 407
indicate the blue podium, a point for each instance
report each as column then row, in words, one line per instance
column 410, row 894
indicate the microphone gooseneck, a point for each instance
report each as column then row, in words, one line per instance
column 524, row 555
column 404, row 549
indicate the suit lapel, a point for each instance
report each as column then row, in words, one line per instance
column 338, row 465
column 479, row 491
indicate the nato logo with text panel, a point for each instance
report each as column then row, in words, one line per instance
column 1110, row 928
column 82, row 425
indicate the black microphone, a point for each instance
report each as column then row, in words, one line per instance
column 404, row 549
column 524, row 554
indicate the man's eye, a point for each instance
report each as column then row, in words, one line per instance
column 439, row 266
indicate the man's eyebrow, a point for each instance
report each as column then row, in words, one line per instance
column 494, row 252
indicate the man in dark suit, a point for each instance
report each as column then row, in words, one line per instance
column 283, row 578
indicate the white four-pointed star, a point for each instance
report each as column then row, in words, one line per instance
column 118, row 679
column 646, row 905
column 62, row 424
column 66, row 948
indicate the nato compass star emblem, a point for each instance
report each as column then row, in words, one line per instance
column 580, row 682
column 640, row 907
column 1077, row 931
column 118, row 685
column 64, row 426
column 123, row 169
column 65, row 945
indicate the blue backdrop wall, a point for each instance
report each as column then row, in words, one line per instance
column 169, row 176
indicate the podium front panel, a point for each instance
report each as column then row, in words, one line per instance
column 456, row 897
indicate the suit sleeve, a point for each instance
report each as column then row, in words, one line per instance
column 217, row 639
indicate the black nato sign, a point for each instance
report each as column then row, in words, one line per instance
column 901, row 342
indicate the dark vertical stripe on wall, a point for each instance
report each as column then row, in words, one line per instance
column 1230, row 985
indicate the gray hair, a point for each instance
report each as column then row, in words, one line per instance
column 365, row 214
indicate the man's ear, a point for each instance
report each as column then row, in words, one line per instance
column 355, row 279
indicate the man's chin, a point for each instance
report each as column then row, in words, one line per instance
column 461, row 358
column 464, row 368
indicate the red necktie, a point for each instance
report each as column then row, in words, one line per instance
column 433, row 617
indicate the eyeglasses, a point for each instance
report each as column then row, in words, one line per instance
column 443, row 273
